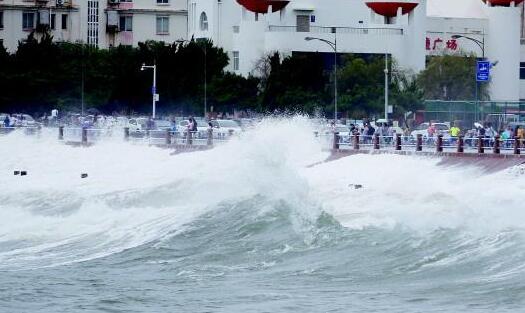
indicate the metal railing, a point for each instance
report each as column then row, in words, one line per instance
column 339, row 30
column 436, row 144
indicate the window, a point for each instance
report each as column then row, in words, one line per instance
column 235, row 60
column 1, row 19
column 53, row 21
column 204, row 22
column 64, row 21
column 92, row 23
column 163, row 1
column 303, row 23
column 28, row 20
column 126, row 23
column 522, row 70
column 163, row 25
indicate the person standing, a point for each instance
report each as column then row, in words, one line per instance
column 7, row 121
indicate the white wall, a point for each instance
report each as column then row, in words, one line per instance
column 503, row 46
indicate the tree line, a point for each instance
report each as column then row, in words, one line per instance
column 43, row 74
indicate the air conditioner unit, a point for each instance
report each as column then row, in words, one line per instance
column 112, row 2
column 59, row 3
column 43, row 17
column 112, row 21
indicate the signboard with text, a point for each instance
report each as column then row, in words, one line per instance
column 483, row 71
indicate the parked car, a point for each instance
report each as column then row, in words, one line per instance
column 225, row 128
column 160, row 129
column 23, row 120
column 441, row 128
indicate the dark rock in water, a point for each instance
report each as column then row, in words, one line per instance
column 23, row 173
column 16, row 173
column 83, row 175
column 355, row 186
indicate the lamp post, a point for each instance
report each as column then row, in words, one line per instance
column 481, row 45
column 386, row 87
column 332, row 45
column 154, row 88
column 205, row 51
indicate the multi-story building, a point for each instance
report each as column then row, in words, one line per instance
column 407, row 30
column 101, row 23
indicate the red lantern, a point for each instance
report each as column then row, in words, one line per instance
column 262, row 6
column 389, row 8
column 503, row 3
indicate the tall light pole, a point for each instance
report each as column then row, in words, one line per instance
column 386, row 86
column 332, row 45
column 205, row 51
column 154, row 88
column 481, row 45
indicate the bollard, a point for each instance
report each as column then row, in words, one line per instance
column 336, row 141
column 461, row 144
column 189, row 140
column 376, row 142
column 356, row 142
column 61, row 133
column 210, row 137
column 439, row 144
column 126, row 133
column 398, row 142
column 419, row 143
column 168, row 137
column 517, row 145
column 481, row 148
column 497, row 149
column 84, row 135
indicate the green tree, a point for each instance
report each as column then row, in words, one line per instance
column 361, row 86
column 451, row 77
column 297, row 83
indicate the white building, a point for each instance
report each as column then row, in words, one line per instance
column 101, row 23
column 408, row 30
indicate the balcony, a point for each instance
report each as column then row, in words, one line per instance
column 338, row 30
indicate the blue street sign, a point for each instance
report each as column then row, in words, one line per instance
column 483, row 71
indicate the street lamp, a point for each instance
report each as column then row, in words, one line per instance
column 205, row 50
column 332, row 45
column 481, row 44
column 154, row 88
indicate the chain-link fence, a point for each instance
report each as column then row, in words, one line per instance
column 469, row 112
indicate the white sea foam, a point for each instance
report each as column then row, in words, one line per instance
column 137, row 194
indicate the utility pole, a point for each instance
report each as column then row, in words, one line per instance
column 386, row 86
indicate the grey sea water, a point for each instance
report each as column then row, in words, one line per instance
column 256, row 230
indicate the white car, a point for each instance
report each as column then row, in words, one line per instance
column 23, row 120
column 441, row 128
column 137, row 124
column 224, row 128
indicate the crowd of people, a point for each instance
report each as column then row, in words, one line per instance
column 386, row 132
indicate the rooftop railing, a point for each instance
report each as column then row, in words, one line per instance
column 338, row 30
